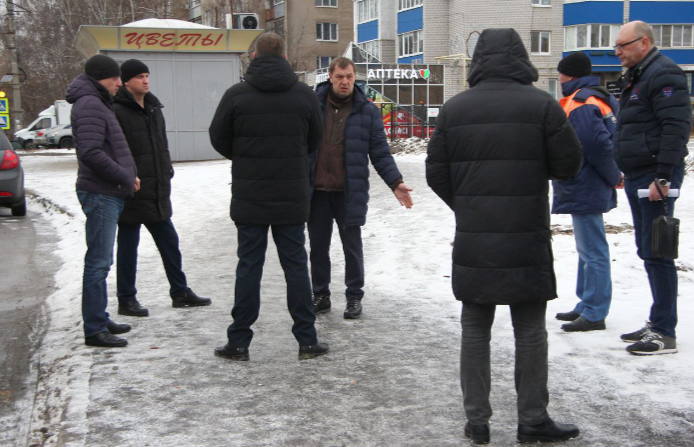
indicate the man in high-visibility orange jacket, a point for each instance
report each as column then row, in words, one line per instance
column 591, row 110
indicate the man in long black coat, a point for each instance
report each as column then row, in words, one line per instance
column 268, row 126
column 140, row 116
column 494, row 150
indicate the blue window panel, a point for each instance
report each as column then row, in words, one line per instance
column 682, row 57
column 367, row 31
column 594, row 12
column 409, row 59
column 410, row 20
column 662, row 12
column 602, row 60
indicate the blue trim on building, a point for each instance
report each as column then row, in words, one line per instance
column 602, row 60
column 594, row 12
column 367, row 31
column 662, row 12
column 681, row 57
column 409, row 59
column 410, row 20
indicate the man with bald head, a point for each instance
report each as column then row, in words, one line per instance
column 650, row 144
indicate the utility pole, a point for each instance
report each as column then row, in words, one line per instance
column 16, row 105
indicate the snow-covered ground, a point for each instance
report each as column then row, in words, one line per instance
column 390, row 378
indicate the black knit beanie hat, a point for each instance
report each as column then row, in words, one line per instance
column 132, row 68
column 101, row 67
column 576, row 65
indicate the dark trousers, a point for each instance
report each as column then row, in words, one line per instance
column 327, row 207
column 166, row 239
column 531, row 361
column 662, row 273
column 252, row 245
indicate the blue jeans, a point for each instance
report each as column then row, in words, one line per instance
column 252, row 245
column 662, row 273
column 102, row 220
column 594, row 284
column 166, row 239
column 326, row 207
column 531, row 370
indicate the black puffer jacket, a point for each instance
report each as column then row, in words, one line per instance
column 145, row 131
column 654, row 118
column 267, row 126
column 490, row 159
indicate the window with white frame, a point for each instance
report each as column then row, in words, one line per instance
column 539, row 42
column 323, row 61
column 553, row 87
column 541, row 2
column 367, row 10
column 407, row 4
column 672, row 36
column 326, row 3
column 372, row 47
column 594, row 35
column 410, row 43
column 326, row 31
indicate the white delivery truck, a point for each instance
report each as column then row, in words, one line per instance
column 58, row 113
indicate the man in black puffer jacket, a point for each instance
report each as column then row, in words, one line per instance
column 140, row 116
column 653, row 128
column 490, row 159
column 268, row 126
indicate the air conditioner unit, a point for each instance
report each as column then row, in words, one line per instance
column 245, row 21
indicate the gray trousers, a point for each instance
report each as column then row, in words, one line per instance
column 531, row 361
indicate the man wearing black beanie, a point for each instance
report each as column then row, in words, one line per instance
column 140, row 116
column 106, row 176
column 591, row 110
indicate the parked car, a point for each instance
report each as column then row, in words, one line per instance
column 60, row 136
column 11, row 179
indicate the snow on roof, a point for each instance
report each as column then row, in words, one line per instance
column 165, row 23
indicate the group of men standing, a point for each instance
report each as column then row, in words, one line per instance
column 300, row 156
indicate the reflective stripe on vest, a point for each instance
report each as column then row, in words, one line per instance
column 569, row 105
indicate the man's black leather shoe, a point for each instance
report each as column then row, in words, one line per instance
column 548, row 431
column 310, row 351
column 580, row 324
column 105, row 340
column 567, row 316
column 132, row 308
column 321, row 304
column 228, row 352
column 353, row 309
column 479, row 434
column 188, row 298
column 116, row 328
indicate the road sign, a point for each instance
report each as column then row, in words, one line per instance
column 4, row 106
column 4, row 121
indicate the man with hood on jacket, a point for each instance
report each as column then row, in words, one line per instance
column 591, row 111
column 353, row 135
column 106, row 175
column 495, row 147
column 268, row 126
column 140, row 116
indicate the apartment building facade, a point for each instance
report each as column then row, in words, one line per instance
column 591, row 27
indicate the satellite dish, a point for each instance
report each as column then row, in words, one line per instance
column 249, row 22
column 472, row 42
